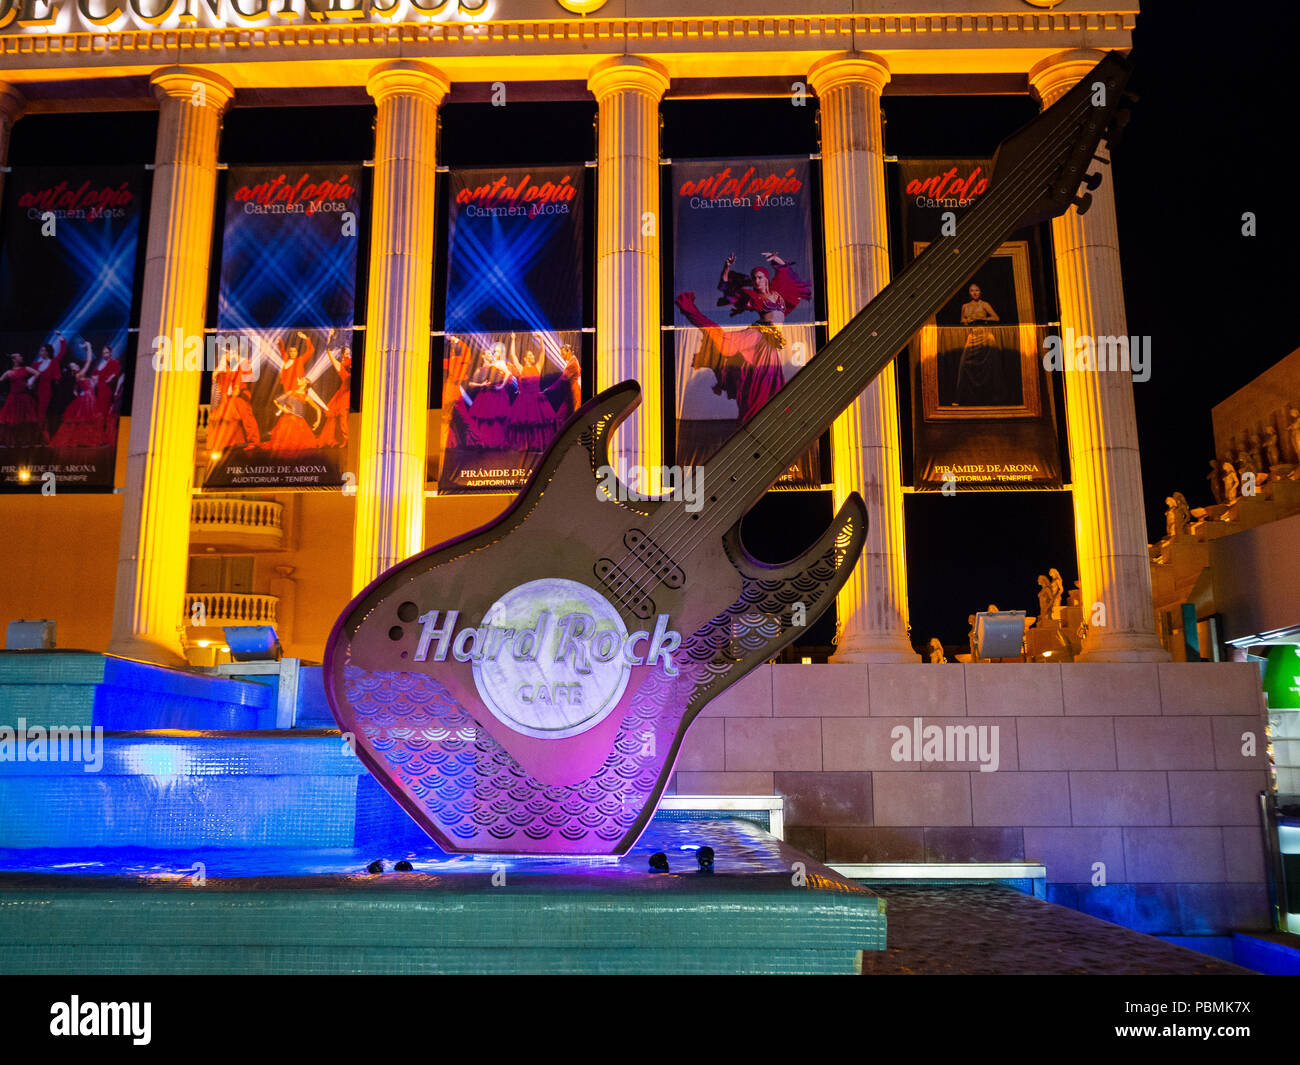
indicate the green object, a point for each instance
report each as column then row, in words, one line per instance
column 1282, row 677
column 1191, row 634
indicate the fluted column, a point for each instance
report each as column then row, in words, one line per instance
column 1109, row 517
column 628, row 90
column 395, row 385
column 154, row 554
column 12, row 104
column 872, row 606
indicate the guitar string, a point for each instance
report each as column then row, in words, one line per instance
column 817, row 398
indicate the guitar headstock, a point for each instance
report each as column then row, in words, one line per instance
column 1048, row 158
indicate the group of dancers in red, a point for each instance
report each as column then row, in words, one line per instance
column 300, row 424
column 34, row 413
column 498, row 402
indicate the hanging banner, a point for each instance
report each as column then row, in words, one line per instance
column 67, row 273
column 743, row 290
column 281, row 359
column 511, row 372
column 983, row 416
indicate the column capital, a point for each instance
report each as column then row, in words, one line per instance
column 192, row 84
column 621, row 73
column 408, row 77
column 12, row 103
column 849, row 68
column 1053, row 77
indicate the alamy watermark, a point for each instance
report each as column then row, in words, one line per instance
column 633, row 484
column 58, row 743
column 1081, row 353
column 946, row 743
column 215, row 351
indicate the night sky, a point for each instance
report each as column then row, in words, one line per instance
column 1211, row 137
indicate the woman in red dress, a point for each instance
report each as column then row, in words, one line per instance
column 747, row 362
column 565, row 392
column 19, row 424
column 81, row 425
column 107, row 373
column 291, row 432
column 335, row 424
column 294, row 364
column 49, row 368
column 532, row 418
column 456, row 398
column 491, row 409
column 232, row 422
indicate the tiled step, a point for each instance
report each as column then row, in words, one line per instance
column 274, row 789
column 85, row 689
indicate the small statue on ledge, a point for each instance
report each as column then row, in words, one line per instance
column 1178, row 515
column 1256, row 455
column 1230, row 483
column 1215, row 477
column 934, row 651
column 1058, row 591
column 1244, row 463
column 1272, row 452
column 1044, row 600
column 1293, row 431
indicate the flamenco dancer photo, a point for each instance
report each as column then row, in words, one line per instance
column 292, row 432
column 20, row 424
column 334, row 426
column 49, row 370
column 532, row 418
column 107, row 374
column 82, row 425
column 489, row 391
column 747, row 363
column 232, row 422
column 565, row 392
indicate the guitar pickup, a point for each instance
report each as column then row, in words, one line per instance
column 621, row 585
column 654, row 558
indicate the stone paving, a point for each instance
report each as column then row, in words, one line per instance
column 991, row 929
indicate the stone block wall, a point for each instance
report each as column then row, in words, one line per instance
column 1147, row 769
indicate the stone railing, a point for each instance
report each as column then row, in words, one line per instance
column 248, row 514
column 234, row 525
column 231, row 608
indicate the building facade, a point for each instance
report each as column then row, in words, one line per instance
column 194, row 62
column 1124, row 762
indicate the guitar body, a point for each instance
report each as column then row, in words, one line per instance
column 499, row 748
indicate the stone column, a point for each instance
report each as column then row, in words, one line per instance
column 628, row 341
column 392, row 445
column 872, row 606
column 12, row 104
column 1109, row 519
column 154, row 555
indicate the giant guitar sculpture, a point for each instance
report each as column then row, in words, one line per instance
column 525, row 688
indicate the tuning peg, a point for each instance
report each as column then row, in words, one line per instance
column 1092, row 180
column 1082, row 203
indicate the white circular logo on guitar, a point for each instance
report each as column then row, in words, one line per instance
column 565, row 665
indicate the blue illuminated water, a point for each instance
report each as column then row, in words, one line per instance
column 739, row 846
